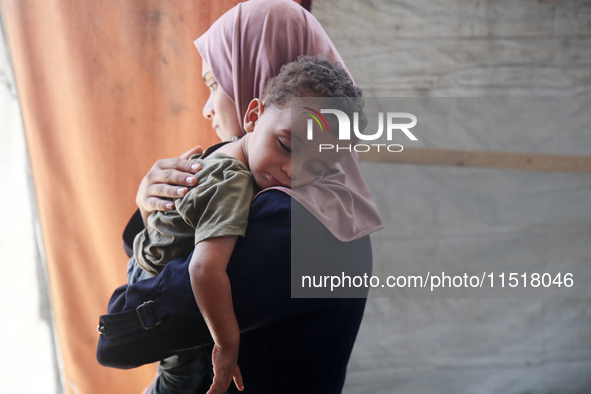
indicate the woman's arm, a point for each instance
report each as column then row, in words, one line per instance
column 136, row 331
column 260, row 277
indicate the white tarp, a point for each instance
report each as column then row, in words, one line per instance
column 441, row 216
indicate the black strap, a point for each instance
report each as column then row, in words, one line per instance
column 145, row 317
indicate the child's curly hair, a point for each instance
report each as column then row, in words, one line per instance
column 318, row 77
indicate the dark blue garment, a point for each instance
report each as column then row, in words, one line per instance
column 287, row 345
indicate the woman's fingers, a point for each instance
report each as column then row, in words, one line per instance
column 191, row 152
column 172, row 177
column 162, row 190
column 156, row 204
column 167, row 179
column 175, row 171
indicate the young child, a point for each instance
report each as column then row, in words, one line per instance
column 213, row 214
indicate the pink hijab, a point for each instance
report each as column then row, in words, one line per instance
column 245, row 48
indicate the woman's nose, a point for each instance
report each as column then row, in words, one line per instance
column 208, row 111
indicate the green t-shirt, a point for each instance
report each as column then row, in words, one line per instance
column 218, row 206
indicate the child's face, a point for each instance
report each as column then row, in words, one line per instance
column 276, row 156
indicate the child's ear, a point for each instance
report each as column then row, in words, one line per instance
column 253, row 113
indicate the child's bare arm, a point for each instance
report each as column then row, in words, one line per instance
column 212, row 291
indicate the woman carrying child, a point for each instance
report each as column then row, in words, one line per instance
column 245, row 48
column 215, row 212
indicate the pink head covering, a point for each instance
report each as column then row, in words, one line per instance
column 245, row 48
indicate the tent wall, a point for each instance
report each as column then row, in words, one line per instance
column 436, row 214
column 106, row 88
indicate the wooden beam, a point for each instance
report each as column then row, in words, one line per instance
column 483, row 159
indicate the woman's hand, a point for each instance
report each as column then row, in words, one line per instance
column 167, row 179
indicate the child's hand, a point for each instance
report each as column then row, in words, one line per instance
column 224, row 368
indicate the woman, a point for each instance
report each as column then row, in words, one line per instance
column 241, row 52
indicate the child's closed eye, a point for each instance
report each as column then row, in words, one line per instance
column 283, row 146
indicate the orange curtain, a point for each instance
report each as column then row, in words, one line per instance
column 106, row 88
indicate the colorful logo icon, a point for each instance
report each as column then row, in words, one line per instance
column 315, row 116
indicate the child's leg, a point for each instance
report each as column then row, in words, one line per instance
column 186, row 372
column 135, row 273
